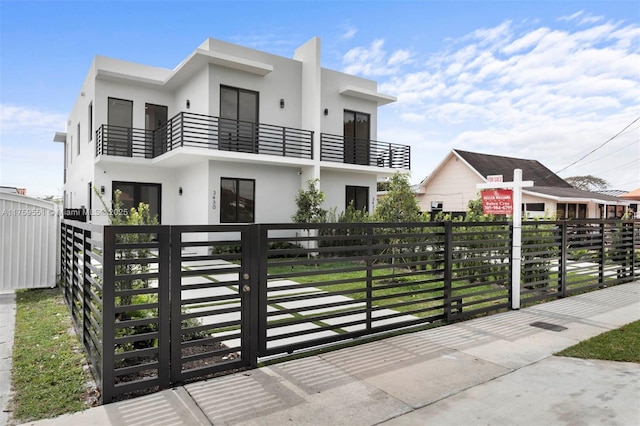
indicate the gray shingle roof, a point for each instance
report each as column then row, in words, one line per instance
column 571, row 192
column 486, row 165
column 545, row 181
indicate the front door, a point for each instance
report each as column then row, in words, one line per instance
column 238, row 120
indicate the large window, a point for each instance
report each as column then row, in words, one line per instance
column 238, row 120
column 155, row 117
column 571, row 211
column 356, row 137
column 358, row 196
column 118, row 134
column 237, row 200
column 134, row 193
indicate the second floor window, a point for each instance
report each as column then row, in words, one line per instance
column 238, row 120
column 356, row 137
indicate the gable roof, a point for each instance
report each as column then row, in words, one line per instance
column 546, row 183
column 486, row 165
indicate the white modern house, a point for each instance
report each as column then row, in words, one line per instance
column 230, row 135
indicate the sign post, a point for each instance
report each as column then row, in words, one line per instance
column 516, row 212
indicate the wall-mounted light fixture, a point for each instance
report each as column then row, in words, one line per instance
column 188, row 104
column 102, row 190
column 281, row 103
column 326, row 111
column 180, row 191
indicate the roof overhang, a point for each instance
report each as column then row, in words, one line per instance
column 562, row 199
column 60, row 137
column 195, row 61
column 368, row 95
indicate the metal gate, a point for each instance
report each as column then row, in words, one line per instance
column 212, row 328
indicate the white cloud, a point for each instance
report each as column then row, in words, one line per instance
column 349, row 33
column 526, row 90
column 581, row 18
column 373, row 60
column 28, row 157
column 19, row 119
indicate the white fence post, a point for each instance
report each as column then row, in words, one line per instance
column 516, row 249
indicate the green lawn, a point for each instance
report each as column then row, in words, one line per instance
column 418, row 292
column 622, row 344
column 48, row 374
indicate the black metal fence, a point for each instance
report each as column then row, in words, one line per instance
column 161, row 305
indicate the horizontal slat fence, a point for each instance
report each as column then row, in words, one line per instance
column 158, row 305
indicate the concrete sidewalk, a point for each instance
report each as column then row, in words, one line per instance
column 492, row 370
column 7, row 326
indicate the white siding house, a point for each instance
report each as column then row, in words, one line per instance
column 451, row 186
column 230, row 135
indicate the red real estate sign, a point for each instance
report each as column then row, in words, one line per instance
column 497, row 201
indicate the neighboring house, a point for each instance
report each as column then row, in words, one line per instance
column 634, row 199
column 228, row 136
column 453, row 184
column 13, row 190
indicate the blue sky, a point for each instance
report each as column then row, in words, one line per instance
column 544, row 80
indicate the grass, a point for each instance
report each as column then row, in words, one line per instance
column 418, row 292
column 48, row 374
column 622, row 344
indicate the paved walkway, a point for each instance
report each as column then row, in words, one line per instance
column 7, row 325
column 492, row 370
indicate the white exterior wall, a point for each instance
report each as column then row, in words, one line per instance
column 334, row 183
column 134, row 171
column 454, row 185
column 306, row 88
column 80, row 166
column 191, row 207
column 275, row 189
column 197, row 90
column 336, row 103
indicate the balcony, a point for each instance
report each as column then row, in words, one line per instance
column 348, row 150
column 203, row 131
column 215, row 133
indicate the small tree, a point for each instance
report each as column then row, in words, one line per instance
column 309, row 203
column 400, row 204
column 587, row 183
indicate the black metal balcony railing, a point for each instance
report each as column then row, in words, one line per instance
column 203, row 131
column 124, row 141
column 365, row 152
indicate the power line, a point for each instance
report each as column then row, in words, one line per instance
column 603, row 144
column 612, row 152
